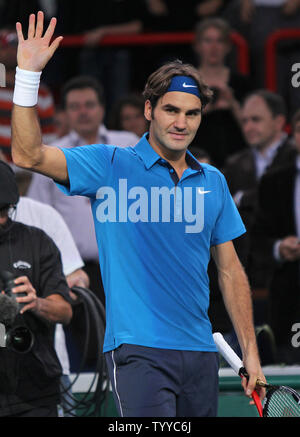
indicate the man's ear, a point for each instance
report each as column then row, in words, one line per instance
column 148, row 110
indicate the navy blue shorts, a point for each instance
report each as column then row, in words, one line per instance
column 152, row 382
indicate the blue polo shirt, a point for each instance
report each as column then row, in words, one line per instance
column 154, row 234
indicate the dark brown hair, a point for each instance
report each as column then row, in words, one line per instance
column 79, row 83
column 275, row 102
column 159, row 81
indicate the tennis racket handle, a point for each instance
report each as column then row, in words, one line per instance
column 227, row 353
column 236, row 364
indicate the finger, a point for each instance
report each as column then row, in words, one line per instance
column 20, row 289
column 55, row 44
column 21, row 279
column 50, row 30
column 244, row 383
column 261, row 391
column 27, row 307
column 19, row 32
column 251, row 385
column 40, row 24
column 31, row 27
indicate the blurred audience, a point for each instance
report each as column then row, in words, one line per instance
column 256, row 20
column 242, row 131
column 174, row 16
column 83, row 102
column 263, row 122
column 212, row 45
column 276, row 236
column 128, row 115
column 109, row 65
column 61, row 123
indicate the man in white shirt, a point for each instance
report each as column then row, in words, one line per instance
column 83, row 101
column 33, row 213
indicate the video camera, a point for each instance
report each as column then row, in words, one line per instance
column 17, row 338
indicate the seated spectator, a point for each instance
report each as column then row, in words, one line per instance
column 83, row 102
column 128, row 115
column 263, row 122
column 212, row 45
column 30, row 381
column 276, row 235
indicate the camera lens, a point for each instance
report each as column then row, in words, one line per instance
column 19, row 339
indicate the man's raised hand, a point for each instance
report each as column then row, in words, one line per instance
column 36, row 51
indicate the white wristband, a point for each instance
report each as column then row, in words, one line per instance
column 26, row 87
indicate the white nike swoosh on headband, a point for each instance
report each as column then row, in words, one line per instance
column 188, row 86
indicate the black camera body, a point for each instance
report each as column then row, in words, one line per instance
column 8, row 280
column 17, row 338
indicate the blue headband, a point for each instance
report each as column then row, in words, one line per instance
column 184, row 84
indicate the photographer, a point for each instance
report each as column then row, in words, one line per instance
column 29, row 382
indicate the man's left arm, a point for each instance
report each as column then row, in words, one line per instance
column 236, row 293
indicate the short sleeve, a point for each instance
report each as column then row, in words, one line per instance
column 88, row 168
column 229, row 224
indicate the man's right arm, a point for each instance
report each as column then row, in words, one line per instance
column 28, row 151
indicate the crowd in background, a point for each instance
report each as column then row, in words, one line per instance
column 92, row 93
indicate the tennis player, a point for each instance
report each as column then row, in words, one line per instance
column 159, row 215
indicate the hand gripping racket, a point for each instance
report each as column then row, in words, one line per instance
column 280, row 401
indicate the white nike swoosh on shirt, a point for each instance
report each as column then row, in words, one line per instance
column 203, row 192
column 188, row 86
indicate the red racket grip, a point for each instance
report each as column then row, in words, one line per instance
column 257, row 402
column 254, row 394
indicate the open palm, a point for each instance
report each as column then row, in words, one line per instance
column 35, row 51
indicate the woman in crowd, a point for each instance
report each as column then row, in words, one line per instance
column 212, row 47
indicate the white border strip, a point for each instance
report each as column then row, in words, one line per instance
column 115, row 382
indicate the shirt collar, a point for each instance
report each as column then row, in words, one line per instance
column 150, row 157
column 77, row 140
column 272, row 149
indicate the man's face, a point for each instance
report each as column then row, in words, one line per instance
column 260, row 127
column 84, row 112
column 133, row 120
column 3, row 217
column 174, row 120
column 296, row 136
